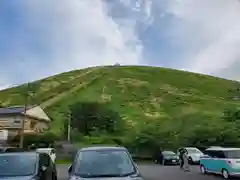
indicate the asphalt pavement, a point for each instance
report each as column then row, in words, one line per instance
column 157, row 172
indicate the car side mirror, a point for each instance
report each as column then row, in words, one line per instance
column 43, row 168
column 70, row 169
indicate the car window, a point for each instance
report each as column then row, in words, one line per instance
column 215, row 154
column 220, row 154
column 13, row 150
column 209, row 153
column 17, row 164
column 168, row 153
column 234, row 154
column 104, row 163
column 44, row 160
column 193, row 150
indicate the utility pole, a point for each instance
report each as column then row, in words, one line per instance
column 69, row 126
column 23, row 119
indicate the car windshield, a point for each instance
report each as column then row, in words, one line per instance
column 234, row 154
column 169, row 153
column 193, row 150
column 104, row 163
column 17, row 164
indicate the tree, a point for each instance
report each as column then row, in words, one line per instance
column 235, row 92
column 94, row 116
column 232, row 115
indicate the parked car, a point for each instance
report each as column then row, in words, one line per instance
column 50, row 151
column 27, row 165
column 167, row 157
column 219, row 160
column 104, row 163
column 193, row 154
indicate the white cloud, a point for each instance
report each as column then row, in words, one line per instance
column 80, row 33
column 3, row 82
column 143, row 8
column 75, row 34
column 4, row 86
column 215, row 25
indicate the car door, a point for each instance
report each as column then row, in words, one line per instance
column 215, row 154
column 208, row 161
column 219, row 162
column 46, row 162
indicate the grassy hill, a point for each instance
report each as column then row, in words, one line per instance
column 141, row 95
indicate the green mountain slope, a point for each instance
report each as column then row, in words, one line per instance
column 141, row 95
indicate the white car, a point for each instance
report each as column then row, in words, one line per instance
column 50, row 151
column 193, row 153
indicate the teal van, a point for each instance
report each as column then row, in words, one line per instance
column 219, row 160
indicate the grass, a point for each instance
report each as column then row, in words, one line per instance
column 63, row 161
column 139, row 94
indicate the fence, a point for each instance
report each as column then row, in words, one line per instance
column 66, row 152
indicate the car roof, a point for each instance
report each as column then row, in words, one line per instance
column 44, row 148
column 168, row 151
column 190, row 148
column 93, row 148
column 222, row 149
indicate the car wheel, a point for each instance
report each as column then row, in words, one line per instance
column 225, row 174
column 203, row 169
column 163, row 162
column 190, row 161
column 55, row 177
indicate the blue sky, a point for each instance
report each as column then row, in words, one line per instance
column 42, row 37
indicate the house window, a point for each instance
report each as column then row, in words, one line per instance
column 32, row 124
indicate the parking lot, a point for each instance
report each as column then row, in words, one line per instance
column 157, row 172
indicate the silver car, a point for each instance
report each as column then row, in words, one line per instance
column 193, row 154
column 105, row 163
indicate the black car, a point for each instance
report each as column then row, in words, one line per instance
column 166, row 157
column 27, row 165
column 104, row 163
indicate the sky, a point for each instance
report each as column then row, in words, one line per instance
column 41, row 38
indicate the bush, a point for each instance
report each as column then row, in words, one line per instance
column 45, row 139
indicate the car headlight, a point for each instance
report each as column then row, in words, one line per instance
column 74, row 178
column 136, row 176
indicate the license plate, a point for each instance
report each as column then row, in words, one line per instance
column 173, row 160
